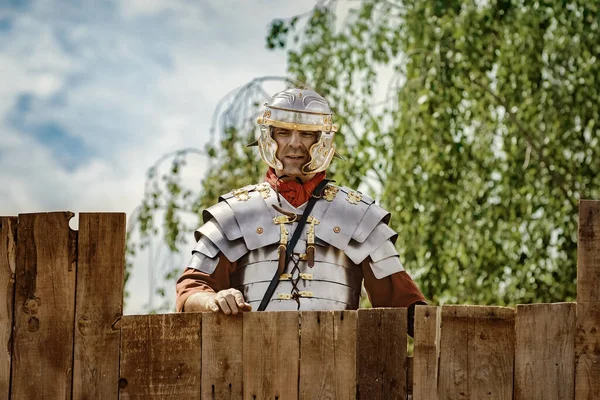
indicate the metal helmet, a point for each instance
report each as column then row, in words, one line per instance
column 304, row 110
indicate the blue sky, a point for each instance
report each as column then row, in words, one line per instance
column 93, row 92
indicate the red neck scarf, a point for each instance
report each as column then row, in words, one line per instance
column 295, row 193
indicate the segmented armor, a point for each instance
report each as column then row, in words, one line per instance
column 345, row 229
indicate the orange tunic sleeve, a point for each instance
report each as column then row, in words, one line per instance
column 396, row 290
column 194, row 281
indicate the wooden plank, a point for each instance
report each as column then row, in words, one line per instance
column 222, row 368
column 588, row 253
column 492, row 359
column 44, row 307
column 328, row 355
column 368, row 355
column 393, row 342
column 381, row 353
column 99, row 305
column 270, row 355
column 454, row 351
column 8, row 260
column 587, row 342
column 317, row 353
column 409, row 376
column 345, row 334
column 476, row 352
column 160, row 356
column 587, row 352
column 545, row 352
column 426, row 352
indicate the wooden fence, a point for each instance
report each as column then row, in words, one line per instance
column 63, row 335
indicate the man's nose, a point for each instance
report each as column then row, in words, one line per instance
column 295, row 139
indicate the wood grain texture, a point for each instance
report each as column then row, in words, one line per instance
column 453, row 380
column 545, row 352
column 476, row 352
column 381, row 353
column 345, row 324
column 587, row 352
column 8, row 260
column 409, row 376
column 44, row 307
column 160, row 356
column 587, row 342
column 222, row 368
column 271, row 353
column 588, row 253
column 426, row 352
column 328, row 355
column 317, row 353
column 99, row 305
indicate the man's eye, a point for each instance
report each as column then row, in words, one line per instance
column 308, row 134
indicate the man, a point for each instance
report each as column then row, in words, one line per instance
column 247, row 256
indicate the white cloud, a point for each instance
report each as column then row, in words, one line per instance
column 135, row 8
column 131, row 80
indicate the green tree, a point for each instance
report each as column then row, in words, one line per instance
column 475, row 123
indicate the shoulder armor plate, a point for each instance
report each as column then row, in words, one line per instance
column 242, row 221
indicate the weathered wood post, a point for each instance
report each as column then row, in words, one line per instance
column 44, row 310
column 63, row 296
column 587, row 345
column 8, row 260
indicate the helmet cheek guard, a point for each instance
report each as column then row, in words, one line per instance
column 321, row 154
column 267, row 147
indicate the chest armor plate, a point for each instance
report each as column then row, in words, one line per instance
column 333, row 283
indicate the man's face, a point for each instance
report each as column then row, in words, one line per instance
column 293, row 150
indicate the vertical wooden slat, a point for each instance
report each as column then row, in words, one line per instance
column 393, row 342
column 381, row 353
column 44, row 307
column 317, row 356
column 492, row 337
column 160, row 356
column 545, row 352
column 271, row 351
column 409, row 376
column 8, row 259
column 587, row 342
column 454, row 354
column 426, row 352
column 328, row 355
column 99, row 305
column 222, row 356
column 476, row 353
column 345, row 334
column 368, row 355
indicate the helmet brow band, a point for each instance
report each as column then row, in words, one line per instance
column 300, row 127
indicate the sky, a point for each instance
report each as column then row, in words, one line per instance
column 93, row 92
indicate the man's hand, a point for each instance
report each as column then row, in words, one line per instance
column 228, row 301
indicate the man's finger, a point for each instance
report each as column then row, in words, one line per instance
column 214, row 307
column 231, row 302
column 223, row 304
column 239, row 299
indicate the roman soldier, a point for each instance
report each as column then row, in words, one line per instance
column 295, row 241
